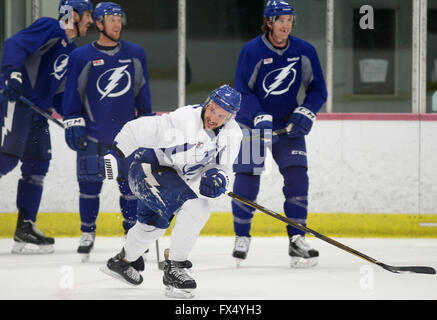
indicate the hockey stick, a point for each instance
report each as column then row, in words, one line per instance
column 409, row 269
column 41, row 111
column 82, row 142
column 287, row 129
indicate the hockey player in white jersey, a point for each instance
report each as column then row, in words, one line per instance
column 182, row 159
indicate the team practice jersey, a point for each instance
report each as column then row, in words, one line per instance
column 106, row 87
column 41, row 51
column 181, row 142
column 269, row 79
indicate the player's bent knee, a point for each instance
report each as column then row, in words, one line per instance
column 90, row 188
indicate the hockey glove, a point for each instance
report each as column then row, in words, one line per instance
column 75, row 133
column 213, row 183
column 264, row 123
column 300, row 122
column 14, row 84
column 111, row 160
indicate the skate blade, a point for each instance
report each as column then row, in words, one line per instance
column 173, row 292
column 302, row 263
column 84, row 257
column 115, row 275
column 30, row 248
column 238, row 262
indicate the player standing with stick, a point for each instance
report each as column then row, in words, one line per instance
column 34, row 65
column 271, row 69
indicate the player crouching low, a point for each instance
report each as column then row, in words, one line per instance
column 181, row 161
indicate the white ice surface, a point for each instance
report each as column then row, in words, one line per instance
column 264, row 275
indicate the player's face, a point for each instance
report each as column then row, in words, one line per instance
column 215, row 116
column 85, row 22
column 113, row 26
column 280, row 30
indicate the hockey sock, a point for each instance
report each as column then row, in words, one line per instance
column 247, row 186
column 128, row 206
column 29, row 196
column 190, row 220
column 139, row 238
column 89, row 203
column 296, row 196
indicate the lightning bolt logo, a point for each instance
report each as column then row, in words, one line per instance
column 279, row 79
column 151, row 181
column 113, row 82
column 60, row 66
column 7, row 125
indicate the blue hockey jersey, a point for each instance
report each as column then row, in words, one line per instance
column 41, row 51
column 107, row 87
column 269, row 79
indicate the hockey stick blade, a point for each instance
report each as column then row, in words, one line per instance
column 413, row 269
column 407, row 269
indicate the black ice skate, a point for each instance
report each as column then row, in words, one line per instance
column 301, row 253
column 178, row 284
column 241, row 248
column 119, row 268
column 86, row 244
column 29, row 240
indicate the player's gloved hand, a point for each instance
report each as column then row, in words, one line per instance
column 264, row 123
column 213, row 183
column 14, row 84
column 300, row 122
column 75, row 133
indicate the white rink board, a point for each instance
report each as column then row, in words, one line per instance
column 355, row 166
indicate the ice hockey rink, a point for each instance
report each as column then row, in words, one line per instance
column 264, row 275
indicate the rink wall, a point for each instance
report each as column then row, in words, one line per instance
column 370, row 175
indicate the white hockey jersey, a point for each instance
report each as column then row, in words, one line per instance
column 181, row 142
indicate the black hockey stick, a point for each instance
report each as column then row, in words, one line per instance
column 287, row 129
column 411, row 269
column 82, row 142
column 41, row 111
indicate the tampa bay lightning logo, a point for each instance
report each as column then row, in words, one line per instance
column 279, row 81
column 114, row 82
column 60, row 66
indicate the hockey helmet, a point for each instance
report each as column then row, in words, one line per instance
column 276, row 8
column 78, row 5
column 227, row 98
column 108, row 9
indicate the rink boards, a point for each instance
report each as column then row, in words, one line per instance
column 220, row 224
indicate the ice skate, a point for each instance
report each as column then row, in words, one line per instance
column 301, row 253
column 29, row 240
column 86, row 244
column 120, row 269
column 178, row 284
column 241, row 248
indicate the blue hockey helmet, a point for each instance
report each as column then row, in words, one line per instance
column 108, row 9
column 276, row 8
column 78, row 5
column 227, row 98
